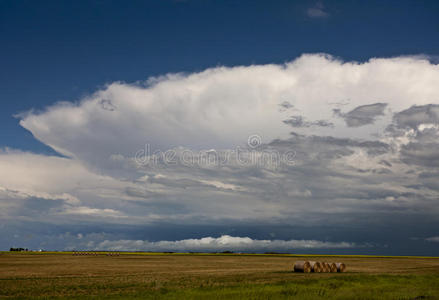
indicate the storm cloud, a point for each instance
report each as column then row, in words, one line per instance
column 261, row 147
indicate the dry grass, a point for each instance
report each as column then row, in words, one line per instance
column 61, row 275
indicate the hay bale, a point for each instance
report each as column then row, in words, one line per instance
column 325, row 267
column 302, row 266
column 316, row 267
column 341, row 267
column 332, row 268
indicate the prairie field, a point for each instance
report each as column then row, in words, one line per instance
column 223, row 276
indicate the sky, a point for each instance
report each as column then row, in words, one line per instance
column 246, row 126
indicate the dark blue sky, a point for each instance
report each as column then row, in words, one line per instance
column 62, row 50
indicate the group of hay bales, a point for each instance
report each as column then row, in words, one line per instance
column 318, row 267
column 77, row 253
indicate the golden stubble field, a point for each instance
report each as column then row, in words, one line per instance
column 61, row 275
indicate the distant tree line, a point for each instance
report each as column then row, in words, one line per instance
column 18, row 249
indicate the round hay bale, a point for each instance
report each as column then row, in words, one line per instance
column 316, row 267
column 328, row 267
column 341, row 267
column 325, row 267
column 302, row 266
column 332, row 268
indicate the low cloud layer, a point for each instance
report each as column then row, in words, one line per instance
column 315, row 142
column 220, row 244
